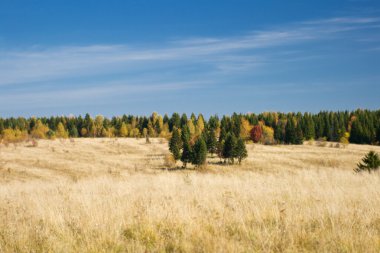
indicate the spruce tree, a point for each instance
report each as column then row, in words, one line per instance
column 200, row 152
column 212, row 142
column 175, row 144
column 240, row 151
column 370, row 162
column 229, row 148
column 298, row 135
column 290, row 132
column 187, row 153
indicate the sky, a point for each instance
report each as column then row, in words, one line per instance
column 211, row 57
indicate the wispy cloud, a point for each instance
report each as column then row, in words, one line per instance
column 175, row 65
column 41, row 64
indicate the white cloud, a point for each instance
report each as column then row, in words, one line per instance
column 227, row 55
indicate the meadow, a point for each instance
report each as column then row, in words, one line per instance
column 120, row 195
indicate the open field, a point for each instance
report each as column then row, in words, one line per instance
column 116, row 195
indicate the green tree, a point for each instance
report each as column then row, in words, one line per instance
column 240, row 150
column 212, row 142
column 175, row 144
column 200, row 152
column 290, row 132
column 298, row 135
column 229, row 148
column 370, row 162
column 187, row 151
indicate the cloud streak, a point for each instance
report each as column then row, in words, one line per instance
column 18, row 67
column 33, row 75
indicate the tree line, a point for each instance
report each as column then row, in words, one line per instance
column 359, row 126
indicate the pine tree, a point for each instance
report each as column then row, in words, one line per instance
column 200, row 152
column 187, row 152
column 279, row 132
column 290, row 132
column 356, row 135
column 229, row 148
column 370, row 162
column 175, row 144
column 298, row 135
column 241, row 151
column 183, row 120
column 212, row 142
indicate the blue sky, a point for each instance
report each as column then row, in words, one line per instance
column 136, row 57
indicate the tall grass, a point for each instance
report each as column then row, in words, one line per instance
column 236, row 209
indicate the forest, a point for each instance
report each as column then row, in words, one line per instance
column 359, row 126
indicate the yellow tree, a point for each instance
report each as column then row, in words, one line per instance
column 200, row 125
column 245, row 129
column 268, row 135
column 61, row 131
column 123, row 132
column 39, row 130
column 191, row 128
column 99, row 125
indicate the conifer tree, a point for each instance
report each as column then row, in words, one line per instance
column 212, row 142
column 290, row 132
column 175, row 121
column 200, row 152
column 370, row 162
column 187, row 152
column 298, row 135
column 229, row 148
column 183, row 120
column 175, row 144
column 241, row 151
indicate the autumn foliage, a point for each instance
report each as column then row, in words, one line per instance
column 256, row 133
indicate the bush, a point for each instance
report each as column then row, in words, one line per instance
column 370, row 162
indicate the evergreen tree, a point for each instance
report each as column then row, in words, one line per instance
column 175, row 121
column 200, row 152
column 290, row 132
column 187, row 153
column 279, row 132
column 370, row 162
column 175, row 144
column 212, row 142
column 241, row 151
column 229, row 148
column 183, row 120
column 298, row 135
column 356, row 135
column 309, row 128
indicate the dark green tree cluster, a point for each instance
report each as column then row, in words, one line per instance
column 181, row 148
column 359, row 126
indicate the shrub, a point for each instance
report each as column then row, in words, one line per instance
column 370, row 162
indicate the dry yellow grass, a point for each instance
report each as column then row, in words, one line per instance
column 114, row 195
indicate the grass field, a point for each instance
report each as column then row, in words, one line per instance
column 117, row 195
